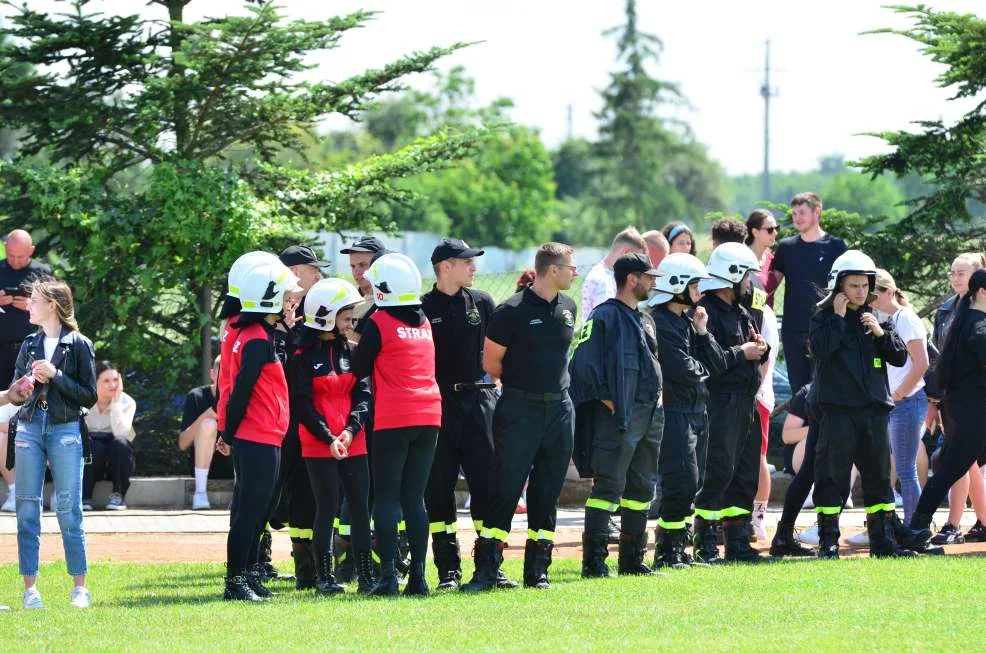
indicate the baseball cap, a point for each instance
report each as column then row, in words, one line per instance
column 365, row 245
column 453, row 248
column 635, row 263
column 301, row 255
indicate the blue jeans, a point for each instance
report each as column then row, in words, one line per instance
column 59, row 445
column 906, row 428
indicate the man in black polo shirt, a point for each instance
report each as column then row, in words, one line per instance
column 17, row 271
column 458, row 317
column 526, row 347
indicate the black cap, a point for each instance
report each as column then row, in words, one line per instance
column 301, row 255
column 365, row 245
column 453, row 248
column 633, row 264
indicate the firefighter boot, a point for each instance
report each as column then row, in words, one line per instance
column 594, row 552
column 669, row 549
column 304, row 564
column 633, row 549
column 883, row 543
column 446, row 549
column 345, row 560
column 364, row 572
column 736, row 531
column 502, row 582
column 416, row 584
column 915, row 539
column 263, row 556
column 402, row 563
column 706, row 549
column 238, row 589
column 325, row 581
column 828, row 537
column 785, row 544
column 255, row 577
column 387, row 584
column 537, row 559
column 485, row 554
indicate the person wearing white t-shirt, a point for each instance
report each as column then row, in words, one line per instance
column 906, row 387
column 600, row 284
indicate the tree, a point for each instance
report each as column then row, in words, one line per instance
column 148, row 200
column 940, row 224
column 857, row 193
column 574, row 168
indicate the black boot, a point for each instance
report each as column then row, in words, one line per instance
column 883, row 543
column 387, row 584
column 238, row 589
column 537, row 559
column 416, row 583
column 364, row 572
column 264, row 557
column 706, row 549
column 669, row 549
column 785, row 544
column 912, row 538
column 447, row 560
column 633, row 549
column 345, row 560
column 325, row 583
column 594, row 552
column 304, row 564
column 828, row 537
column 485, row 554
column 736, row 533
column 255, row 577
column 502, row 582
column 402, row 563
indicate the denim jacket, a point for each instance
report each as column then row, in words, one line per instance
column 72, row 389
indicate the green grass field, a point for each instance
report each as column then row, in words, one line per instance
column 857, row 604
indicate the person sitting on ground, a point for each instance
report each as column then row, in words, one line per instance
column 110, row 424
column 199, row 430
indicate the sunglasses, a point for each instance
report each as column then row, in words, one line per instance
column 770, row 230
column 573, row 269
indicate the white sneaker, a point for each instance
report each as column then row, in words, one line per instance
column 859, row 539
column 32, row 599
column 809, row 536
column 898, row 500
column 87, row 506
column 4, row 608
column 10, row 505
column 81, row 597
column 200, row 501
column 809, row 502
column 116, row 502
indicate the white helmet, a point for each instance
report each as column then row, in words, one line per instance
column 263, row 287
column 676, row 272
column 242, row 265
column 396, row 281
column 728, row 264
column 852, row 261
column 325, row 299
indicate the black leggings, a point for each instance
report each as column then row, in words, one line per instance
column 255, row 468
column 401, row 463
column 962, row 420
column 324, row 474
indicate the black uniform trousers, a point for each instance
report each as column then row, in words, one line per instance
column 294, row 489
column 112, row 458
column 624, row 465
column 847, row 436
column 679, row 465
column 532, row 438
column 732, row 467
column 964, row 422
column 465, row 440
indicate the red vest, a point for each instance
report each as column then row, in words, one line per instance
column 267, row 412
column 405, row 392
column 332, row 396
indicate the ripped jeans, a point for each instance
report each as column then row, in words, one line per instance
column 59, row 445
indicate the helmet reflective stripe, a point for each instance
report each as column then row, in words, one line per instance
column 242, row 266
column 263, row 286
column 396, row 281
column 324, row 301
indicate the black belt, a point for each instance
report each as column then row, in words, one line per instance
column 544, row 397
column 465, row 387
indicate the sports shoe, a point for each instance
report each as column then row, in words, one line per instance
column 32, row 599
column 977, row 533
column 949, row 535
column 81, row 597
column 759, row 516
column 200, row 501
column 859, row 539
column 116, row 502
column 10, row 505
column 809, row 536
column 898, row 500
column 4, row 608
column 809, row 501
column 87, row 506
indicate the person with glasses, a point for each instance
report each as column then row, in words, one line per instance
column 527, row 344
column 761, row 236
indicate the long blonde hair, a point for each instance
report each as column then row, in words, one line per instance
column 60, row 294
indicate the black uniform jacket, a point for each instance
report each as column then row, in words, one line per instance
column 732, row 326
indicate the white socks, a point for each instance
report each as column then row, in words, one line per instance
column 201, row 478
column 759, row 513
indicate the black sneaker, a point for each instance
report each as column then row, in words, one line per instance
column 977, row 533
column 951, row 535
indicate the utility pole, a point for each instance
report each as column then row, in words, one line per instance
column 568, row 122
column 766, row 92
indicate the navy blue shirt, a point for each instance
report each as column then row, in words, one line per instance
column 806, row 269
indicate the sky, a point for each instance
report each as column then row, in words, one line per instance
column 832, row 84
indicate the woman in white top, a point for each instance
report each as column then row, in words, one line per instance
column 906, row 387
column 110, row 424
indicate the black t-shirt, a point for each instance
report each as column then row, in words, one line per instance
column 537, row 335
column 14, row 324
column 970, row 359
column 806, row 268
column 458, row 325
column 197, row 401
